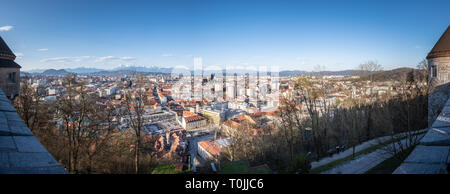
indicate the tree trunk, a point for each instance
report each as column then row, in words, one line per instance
column 136, row 159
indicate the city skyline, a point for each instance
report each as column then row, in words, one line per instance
column 291, row 35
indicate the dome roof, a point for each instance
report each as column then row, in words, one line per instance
column 442, row 46
column 5, row 52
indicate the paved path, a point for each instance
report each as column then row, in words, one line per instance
column 349, row 151
column 20, row 151
column 365, row 162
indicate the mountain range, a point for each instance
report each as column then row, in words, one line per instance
column 124, row 70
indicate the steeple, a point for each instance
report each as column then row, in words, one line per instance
column 5, row 51
column 442, row 46
column 9, row 71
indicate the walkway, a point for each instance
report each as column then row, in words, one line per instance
column 365, row 162
column 432, row 155
column 20, row 151
column 349, row 151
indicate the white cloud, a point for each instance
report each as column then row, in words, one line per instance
column 6, row 28
column 181, row 67
column 167, row 55
column 213, row 68
column 114, row 58
column 87, row 59
column 127, row 58
column 82, row 58
column 57, row 59
column 43, row 49
column 107, row 58
column 417, row 47
column 66, row 59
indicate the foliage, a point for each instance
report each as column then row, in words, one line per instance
column 302, row 164
column 241, row 167
column 165, row 169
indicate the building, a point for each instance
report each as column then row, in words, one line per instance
column 439, row 60
column 210, row 150
column 215, row 116
column 438, row 75
column 191, row 120
column 9, row 71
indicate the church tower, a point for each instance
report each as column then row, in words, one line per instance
column 9, row 71
column 439, row 61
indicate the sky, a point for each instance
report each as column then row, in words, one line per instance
column 293, row 35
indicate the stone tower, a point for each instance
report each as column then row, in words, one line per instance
column 438, row 76
column 439, row 60
column 9, row 71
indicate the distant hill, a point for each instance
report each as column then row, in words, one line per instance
column 292, row 73
column 395, row 74
column 124, row 72
column 55, row 72
column 144, row 69
column 343, row 72
column 83, row 70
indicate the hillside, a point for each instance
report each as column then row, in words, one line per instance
column 55, row 72
column 395, row 74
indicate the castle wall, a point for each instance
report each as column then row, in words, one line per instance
column 7, row 86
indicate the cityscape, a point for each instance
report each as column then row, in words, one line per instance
column 192, row 114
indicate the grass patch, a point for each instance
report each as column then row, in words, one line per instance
column 166, row 169
column 241, row 167
column 388, row 166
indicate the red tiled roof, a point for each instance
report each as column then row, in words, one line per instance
column 210, row 147
column 241, row 118
column 188, row 114
column 232, row 124
column 193, row 118
column 274, row 114
column 257, row 114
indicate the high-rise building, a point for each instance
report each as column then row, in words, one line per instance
column 224, row 84
column 235, row 86
column 192, row 84
column 247, row 83
column 269, row 82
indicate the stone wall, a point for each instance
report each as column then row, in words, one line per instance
column 6, row 85
column 431, row 156
column 436, row 101
column 20, row 151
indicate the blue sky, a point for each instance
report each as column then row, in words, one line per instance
column 299, row 35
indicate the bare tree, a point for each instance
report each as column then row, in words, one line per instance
column 78, row 112
column 29, row 105
column 369, row 68
column 134, row 112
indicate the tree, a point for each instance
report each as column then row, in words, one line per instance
column 369, row 68
column 103, row 129
column 134, row 112
column 29, row 105
column 423, row 65
column 302, row 164
column 80, row 115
